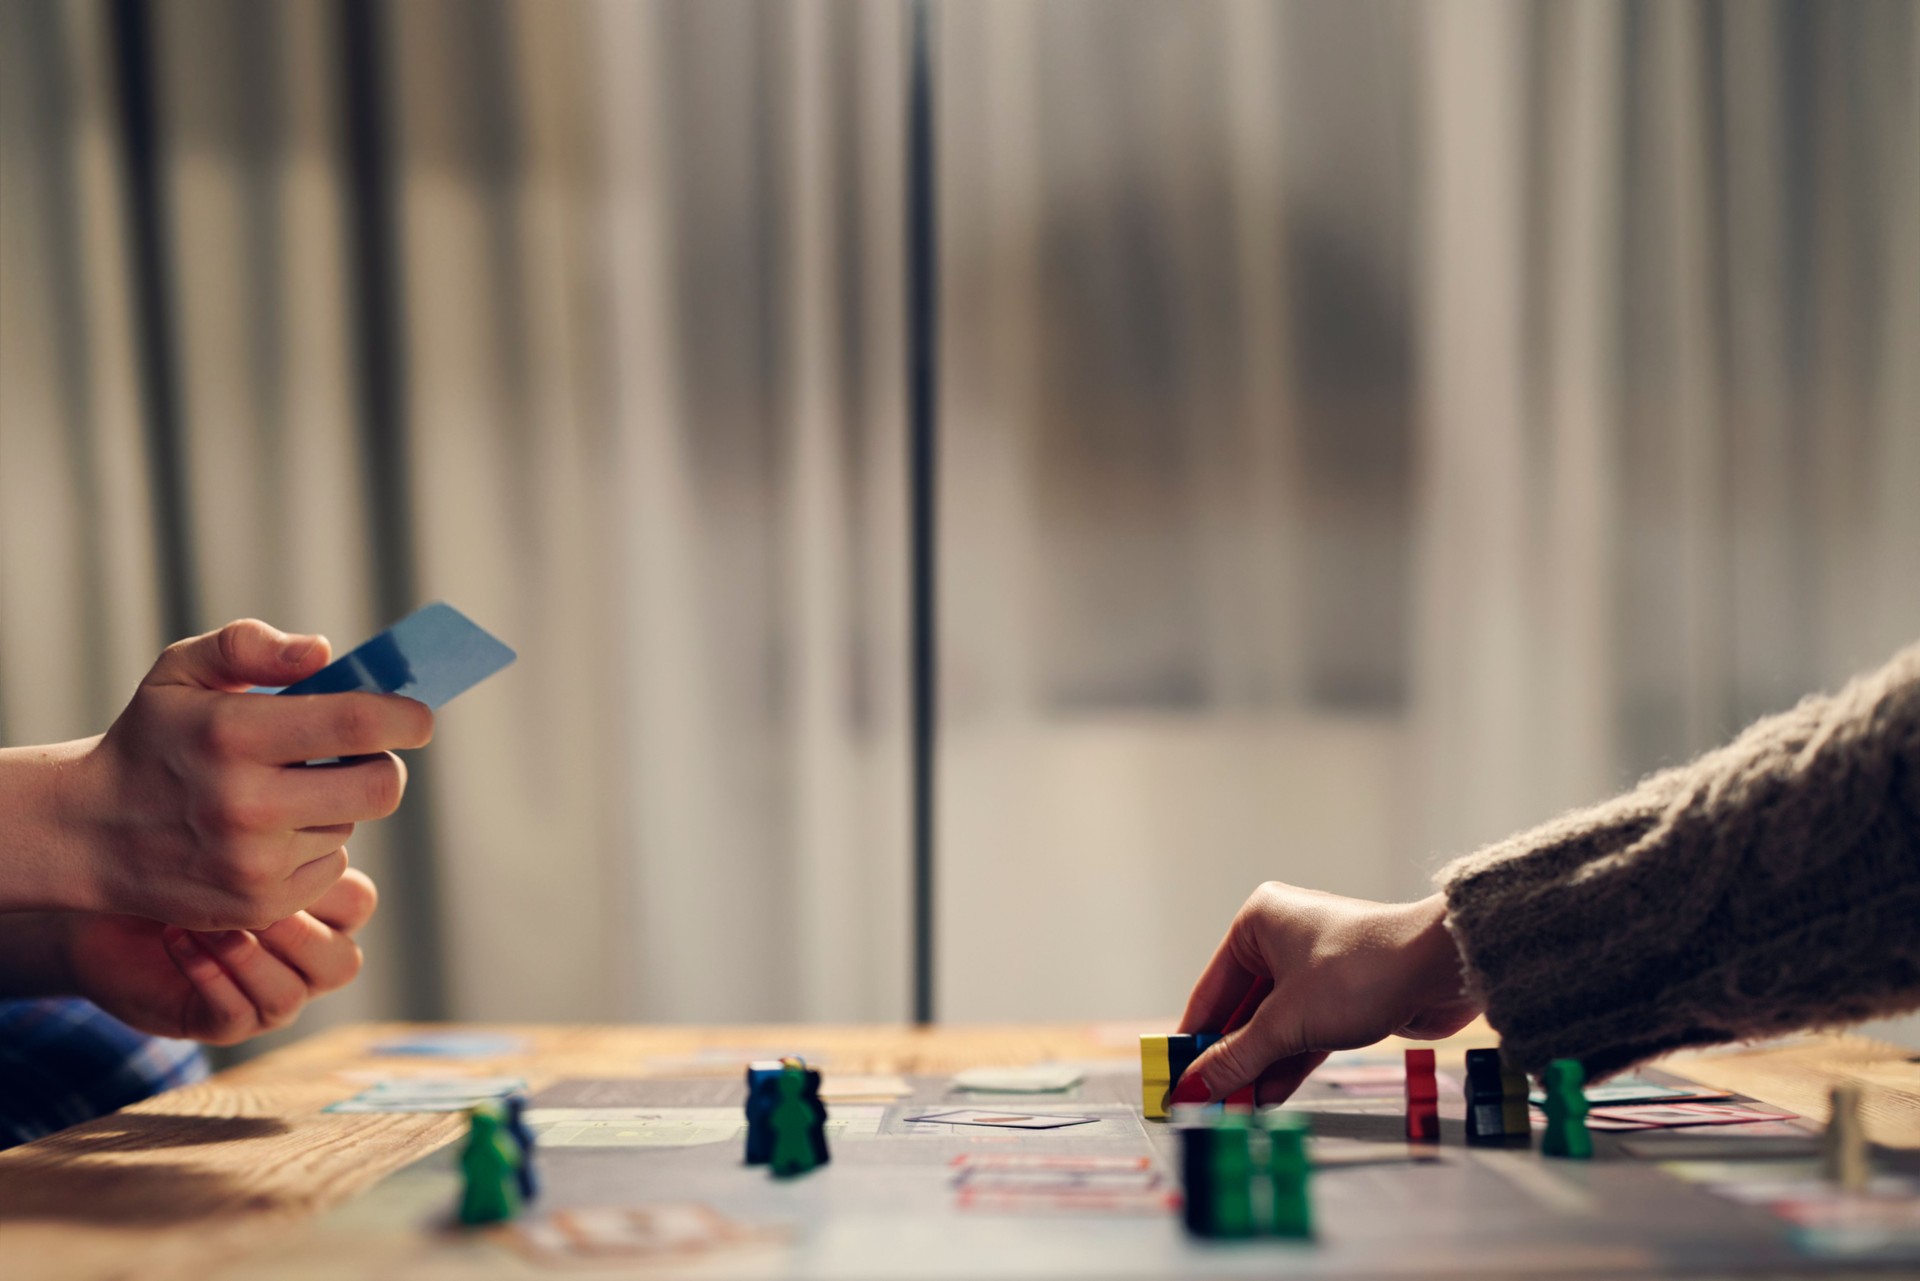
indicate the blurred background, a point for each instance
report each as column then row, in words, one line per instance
column 1367, row 429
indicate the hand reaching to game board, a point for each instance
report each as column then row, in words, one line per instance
column 1344, row 973
column 193, row 808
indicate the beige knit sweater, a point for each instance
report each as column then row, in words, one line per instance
column 1771, row 885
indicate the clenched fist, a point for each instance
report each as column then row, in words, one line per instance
column 223, row 987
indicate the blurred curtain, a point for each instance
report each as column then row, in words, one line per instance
column 751, row 293
column 581, row 316
column 1373, row 427
column 1367, row 428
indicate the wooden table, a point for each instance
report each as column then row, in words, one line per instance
column 198, row 1178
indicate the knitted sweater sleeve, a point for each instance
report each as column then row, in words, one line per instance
column 1771, row 885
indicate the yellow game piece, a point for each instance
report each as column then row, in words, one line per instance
column 1844, row 1145
column 1156, row 1075
column 1516, row 1116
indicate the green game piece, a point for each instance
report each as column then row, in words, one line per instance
column 792, row 1122
column 1232, row 1175
column 490, row 1164
column 1288, row 1169
column 1566, row 1133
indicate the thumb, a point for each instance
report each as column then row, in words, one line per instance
column 239, row 655
column 1238, row 1058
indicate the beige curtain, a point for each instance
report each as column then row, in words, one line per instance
column 647, row 398
column 1374, row 427
column 1366, row 429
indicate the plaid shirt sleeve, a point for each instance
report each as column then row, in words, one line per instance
column 64, row 1061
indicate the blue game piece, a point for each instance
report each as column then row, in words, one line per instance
column 522, row 1134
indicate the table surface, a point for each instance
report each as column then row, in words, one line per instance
column 198, row 1178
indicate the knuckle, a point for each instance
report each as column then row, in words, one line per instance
column 254, row 907
column 178, row 652
column 1228, row 1060
column 255, row 878
column 357, row 722
column 222, row 732
column 280, row 1009
column 210, row 815
column 237, row 811
column 315, row 880
column 1243, row 1063
column 231, row 640
column 1265, row 898
column 255, row 895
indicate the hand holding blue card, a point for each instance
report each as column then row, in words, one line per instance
column 432, row 655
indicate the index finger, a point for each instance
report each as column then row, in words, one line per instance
column 315, row 727
column 1224, row 986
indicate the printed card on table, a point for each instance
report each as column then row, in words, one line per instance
column 1002, row 1120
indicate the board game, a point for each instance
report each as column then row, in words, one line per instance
column 646, row 1176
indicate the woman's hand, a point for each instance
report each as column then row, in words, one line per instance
column 224, row 986
column 1344, row 972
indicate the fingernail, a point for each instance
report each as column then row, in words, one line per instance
column 297, row 648
column 1192, row 1089
column 185, row 946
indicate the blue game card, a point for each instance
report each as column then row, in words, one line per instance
column 453, row 1045
column 433, row 655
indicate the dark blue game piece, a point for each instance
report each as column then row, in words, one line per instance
column 522, row 1134
column 762, row 1093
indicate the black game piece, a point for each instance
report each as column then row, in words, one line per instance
column 1196, row 1178
column 817, row 1132
column 1486, row 1099
column 1181, row 1052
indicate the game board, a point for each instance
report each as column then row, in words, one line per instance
column 907, row 1199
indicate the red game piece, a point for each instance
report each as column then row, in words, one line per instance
column 1421, row 1085
column 1423, row 1098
